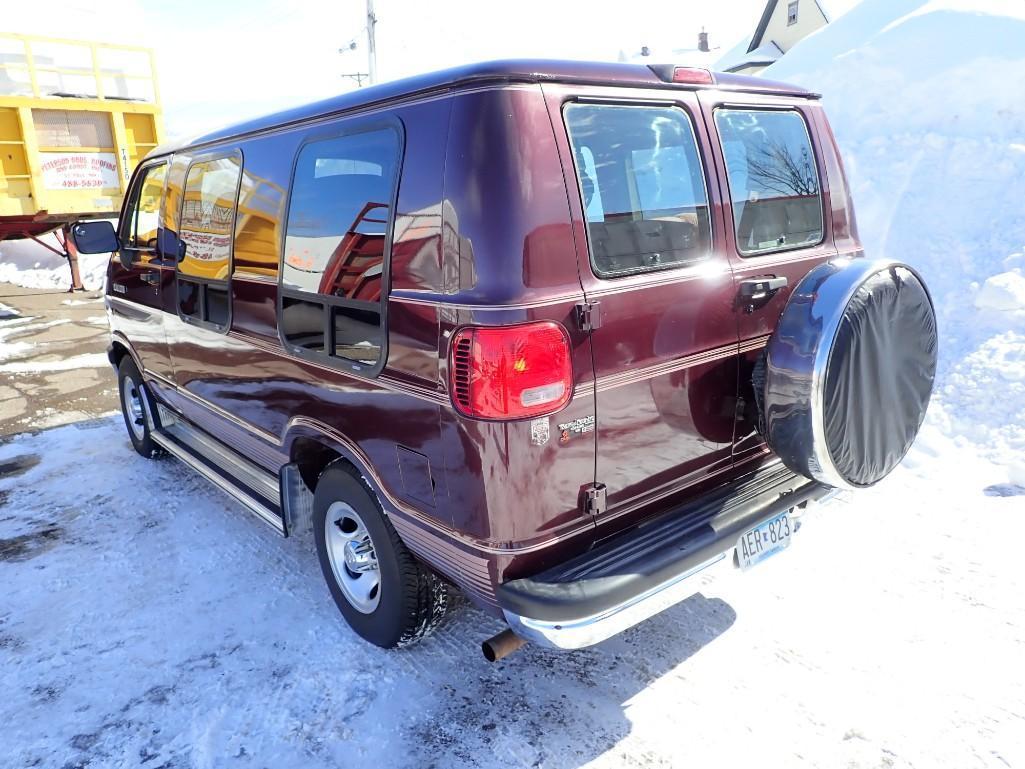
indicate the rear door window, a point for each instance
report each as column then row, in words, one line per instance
column 773, row 180
column 642, row 187
column 336, row 244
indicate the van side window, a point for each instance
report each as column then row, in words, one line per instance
column 339, row 218
column 774, row 184
column 642, row 186
column 207, row 224
column 261, row 205
column 142, row 223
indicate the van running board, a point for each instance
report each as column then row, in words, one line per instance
column 255, row 488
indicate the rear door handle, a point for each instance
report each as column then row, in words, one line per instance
column 153, row 278
column 759, row 288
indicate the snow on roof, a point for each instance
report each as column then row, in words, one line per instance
column 763, row 55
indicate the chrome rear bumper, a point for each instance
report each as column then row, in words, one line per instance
column 647, row 570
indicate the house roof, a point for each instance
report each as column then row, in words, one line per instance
column 763, row 22
column 762, row 56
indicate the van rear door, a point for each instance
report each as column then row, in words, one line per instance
column 777, row 193
column 658, row 286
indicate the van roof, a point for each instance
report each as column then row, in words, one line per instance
column 502, row 71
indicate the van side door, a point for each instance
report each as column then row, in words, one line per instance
column 659, row 289
column 199, row 316
column 136, row 271
column 773, row 177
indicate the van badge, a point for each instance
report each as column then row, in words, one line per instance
column 539, row 431
column 577, row 427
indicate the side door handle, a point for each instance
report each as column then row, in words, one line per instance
column 754, row 289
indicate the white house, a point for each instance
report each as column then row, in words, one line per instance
column 783, row 24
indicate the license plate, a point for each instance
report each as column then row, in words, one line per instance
column 764, row 540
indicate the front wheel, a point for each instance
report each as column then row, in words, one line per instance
column 136, row 407
column 385, row 595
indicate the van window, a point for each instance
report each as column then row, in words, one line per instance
column 207, row 223
column 143, row 220
column 642, row 186
column 257, row 228
column 774, row 184
column 335, row 246
column 260, row 220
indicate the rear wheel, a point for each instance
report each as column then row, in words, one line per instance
column 385, row 595
column 136, row 408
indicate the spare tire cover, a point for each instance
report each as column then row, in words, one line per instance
column 849, row 371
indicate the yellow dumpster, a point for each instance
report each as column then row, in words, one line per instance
column 76, row 117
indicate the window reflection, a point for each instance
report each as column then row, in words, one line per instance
column 774, row 184
column 208, row 217
column 335, row 245
column 642, row 185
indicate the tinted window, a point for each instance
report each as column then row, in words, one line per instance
column 143, row 221
column 339, row 217
column 642, row 186
column 259, row 222
column 774, row 184
column 208, row 217
column 207, row 204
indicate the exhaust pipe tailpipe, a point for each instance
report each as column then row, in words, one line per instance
column 501, row 645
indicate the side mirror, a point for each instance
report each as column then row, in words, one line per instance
column 170, row 245
column 96, row 237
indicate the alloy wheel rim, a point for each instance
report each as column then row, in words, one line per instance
column 132, row 399
column 353, row 558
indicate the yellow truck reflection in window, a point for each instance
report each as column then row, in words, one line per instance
column 208, row 217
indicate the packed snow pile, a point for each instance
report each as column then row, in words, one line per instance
column 926, row 102
column 26, row 263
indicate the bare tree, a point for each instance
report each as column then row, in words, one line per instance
column 776, row 168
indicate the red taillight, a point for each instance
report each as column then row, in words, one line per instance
column 691, row 75
column 511, row 372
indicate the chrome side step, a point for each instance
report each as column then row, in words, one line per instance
column 252, row 486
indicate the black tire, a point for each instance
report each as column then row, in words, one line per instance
column 130, row 386
column 411, row 600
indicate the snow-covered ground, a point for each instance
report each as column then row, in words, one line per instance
column 146, row 620
column 925, row 99
column 26, row 263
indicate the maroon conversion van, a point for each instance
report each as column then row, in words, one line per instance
column 556, row 334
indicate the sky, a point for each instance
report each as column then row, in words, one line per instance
column 220, row 61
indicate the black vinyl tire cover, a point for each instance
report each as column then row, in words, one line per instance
column 880, row 375
column 849, row 371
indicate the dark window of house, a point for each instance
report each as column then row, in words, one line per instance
column 206, row 228
column 774, row 184
column 335, row 246
column 792, row 13
column 642, row 187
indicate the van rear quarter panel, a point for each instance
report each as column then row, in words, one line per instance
column 510, row 257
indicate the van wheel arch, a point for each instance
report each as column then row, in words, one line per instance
column 313, row 457
column 117, row 352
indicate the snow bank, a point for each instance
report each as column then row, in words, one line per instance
column 925, row 100
column 26, row 263
column 1004, row 293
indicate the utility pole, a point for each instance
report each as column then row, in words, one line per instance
column 371, row 45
